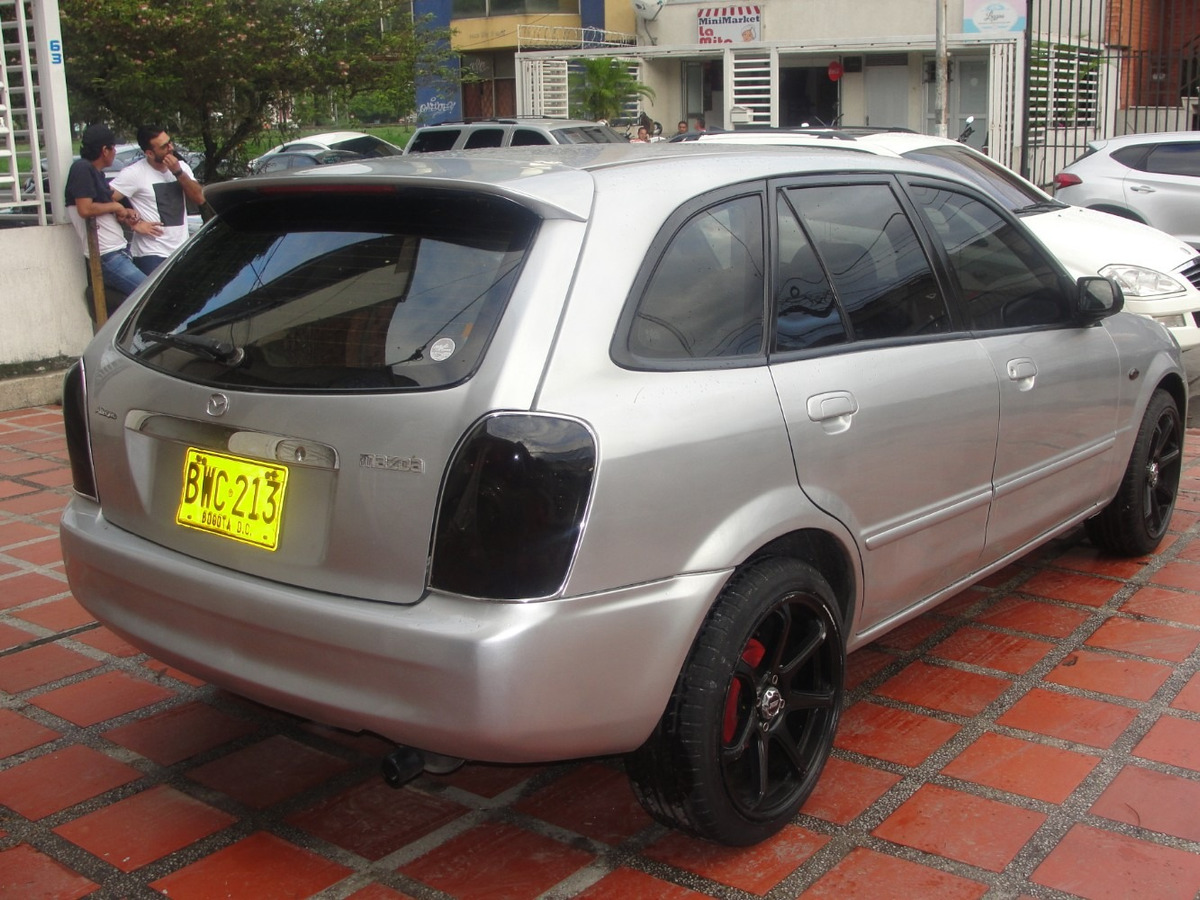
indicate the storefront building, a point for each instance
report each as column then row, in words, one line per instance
column 1039, row 78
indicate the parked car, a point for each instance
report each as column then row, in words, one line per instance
column 1150, row 178
column 293, row 160
column 458, row 451
column 509, row 133
column 1159, row 274
column 363, row 144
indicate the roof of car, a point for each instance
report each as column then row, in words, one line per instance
column 1156, row 137
column 511, row 120
column 560, row 181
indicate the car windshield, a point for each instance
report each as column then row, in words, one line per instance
column 330, row 292
column 1013, row 192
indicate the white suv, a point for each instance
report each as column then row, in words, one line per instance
column 1159, row 274
column 509, row 133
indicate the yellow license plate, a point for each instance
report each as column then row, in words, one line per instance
column 236, row 498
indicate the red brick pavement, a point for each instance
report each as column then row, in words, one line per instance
column 1039, row 735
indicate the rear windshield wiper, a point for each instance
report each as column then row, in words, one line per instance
column 209, row 348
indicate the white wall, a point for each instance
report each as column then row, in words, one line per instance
column 42, row 282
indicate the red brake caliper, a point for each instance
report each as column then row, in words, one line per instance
column 752, row 656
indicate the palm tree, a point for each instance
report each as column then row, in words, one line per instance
column 601, row 86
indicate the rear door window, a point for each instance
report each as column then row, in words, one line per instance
column 433, row 141
column 1175, row 159
column 321, row 292
column 484, row 137
column 869, row 253
column 527, row 137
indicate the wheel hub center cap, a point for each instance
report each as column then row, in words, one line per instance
column 771, row 703
column 1152, row 474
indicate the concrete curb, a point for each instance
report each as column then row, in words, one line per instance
column 31, row 390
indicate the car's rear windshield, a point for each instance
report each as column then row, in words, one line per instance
column 1013, row 192
column 323, row 291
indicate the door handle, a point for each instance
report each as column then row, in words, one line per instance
column 1141, row 188
column 1023, row 371
column 833, row 410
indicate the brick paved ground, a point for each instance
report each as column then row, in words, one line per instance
column 1037, row 736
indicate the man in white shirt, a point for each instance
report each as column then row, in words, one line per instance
column 158, row 186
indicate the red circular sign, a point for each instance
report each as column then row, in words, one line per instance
column 835, row 70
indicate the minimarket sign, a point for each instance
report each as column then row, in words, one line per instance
column 729, row 24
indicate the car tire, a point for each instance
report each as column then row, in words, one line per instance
column 752, row 718
column 1136, row 519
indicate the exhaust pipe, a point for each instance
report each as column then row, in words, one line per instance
column 404, row 764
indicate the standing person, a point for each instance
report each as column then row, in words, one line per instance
column 700, row 126
column 158, row 186
column 643, row 136
column 681, row 128
column 89, row 196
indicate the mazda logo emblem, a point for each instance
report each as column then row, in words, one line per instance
column 217, row 405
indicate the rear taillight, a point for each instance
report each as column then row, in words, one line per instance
column 512, row 507
column 79, row 444
column 1066, row 179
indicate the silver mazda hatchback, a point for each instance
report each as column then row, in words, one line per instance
column 542, row 453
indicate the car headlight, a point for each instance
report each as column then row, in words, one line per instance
column 1140, row 282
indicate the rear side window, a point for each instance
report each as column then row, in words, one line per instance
column 484, row 137
column 524, row 137
column 321, row 292
column 704, row 300
column 433, row 141
column 1005, row 281
column 872, row 257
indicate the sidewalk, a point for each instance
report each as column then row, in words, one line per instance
column 1039, row 735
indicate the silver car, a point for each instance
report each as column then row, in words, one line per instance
column 459, row 450
column 1151, row 178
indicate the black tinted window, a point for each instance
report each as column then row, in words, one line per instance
column 524, row 137
column 1175, row 159
column 1005, row 281
column 432, row 141
column 873, row 259
column 806, row 310
column 484, row 137
column 327, row 292
column 705, row 297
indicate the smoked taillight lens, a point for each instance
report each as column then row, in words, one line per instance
column 79, row 444
column 512, row 507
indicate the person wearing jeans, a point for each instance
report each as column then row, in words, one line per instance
column 89, row 196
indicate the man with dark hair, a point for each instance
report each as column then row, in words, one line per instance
column 158, row 186
column 89, row 196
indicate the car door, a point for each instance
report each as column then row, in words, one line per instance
column 891, row 407
column 1058, row 380
column 1165, row 189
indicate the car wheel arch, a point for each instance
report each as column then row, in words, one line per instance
column 828, row 555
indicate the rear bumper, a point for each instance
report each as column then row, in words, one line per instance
column 504, row 682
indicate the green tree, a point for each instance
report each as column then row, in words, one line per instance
column 219, row 71
column 601, row 87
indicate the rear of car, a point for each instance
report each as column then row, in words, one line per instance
column 457, row 451
column 1150, row 178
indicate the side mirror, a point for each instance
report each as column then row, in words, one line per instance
column 1097, row 298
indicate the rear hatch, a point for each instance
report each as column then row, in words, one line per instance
column 286, row 396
